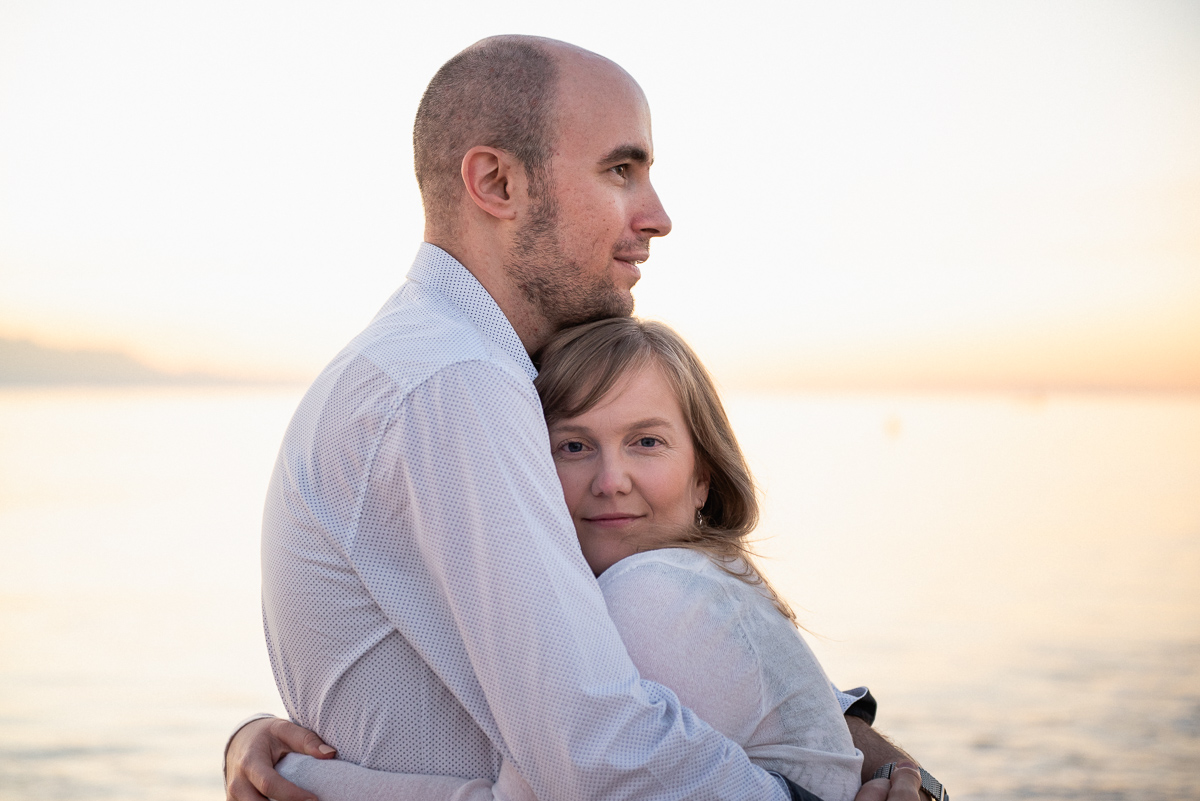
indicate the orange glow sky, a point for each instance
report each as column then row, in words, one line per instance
column 950, row 194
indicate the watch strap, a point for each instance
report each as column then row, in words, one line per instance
column 928, row 783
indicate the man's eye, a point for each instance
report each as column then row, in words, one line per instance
column 621, row 169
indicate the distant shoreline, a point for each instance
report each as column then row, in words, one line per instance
column 24, row 363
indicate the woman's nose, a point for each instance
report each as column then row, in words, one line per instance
column 611, row 478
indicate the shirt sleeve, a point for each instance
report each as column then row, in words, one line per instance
column 492, row 577
column 705, row 636
column 337, row 780
column 682, row 630
column 857, row 702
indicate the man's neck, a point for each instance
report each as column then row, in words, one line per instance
column 531, row 326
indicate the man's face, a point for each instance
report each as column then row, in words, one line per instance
column 576, row 255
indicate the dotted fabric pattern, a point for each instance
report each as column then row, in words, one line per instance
column 425, row 603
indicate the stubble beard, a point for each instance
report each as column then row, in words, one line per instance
column 558, row 287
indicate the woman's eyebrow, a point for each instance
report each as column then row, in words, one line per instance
column 567, row 427
column 651, row 422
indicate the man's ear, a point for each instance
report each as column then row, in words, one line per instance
column 494, row 180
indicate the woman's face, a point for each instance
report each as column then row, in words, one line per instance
column 628, row 468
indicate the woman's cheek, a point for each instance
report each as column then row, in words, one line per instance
column 570, row 478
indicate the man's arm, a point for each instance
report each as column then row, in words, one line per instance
column 257, row 746
column 877, row 749
column 859, row 707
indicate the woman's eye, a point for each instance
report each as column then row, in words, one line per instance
column 573, row 447
column 648, row 442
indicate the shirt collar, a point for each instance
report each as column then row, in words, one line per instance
column 436, row 269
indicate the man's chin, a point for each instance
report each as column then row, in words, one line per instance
column 625, row 307
column 615, row 307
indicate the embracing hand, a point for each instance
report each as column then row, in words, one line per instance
column 250, row 773
column 904, row 785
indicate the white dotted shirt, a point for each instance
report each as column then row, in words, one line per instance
column 718, row 643
column 426, row 605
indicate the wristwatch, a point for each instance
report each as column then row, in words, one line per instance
column 929, row 784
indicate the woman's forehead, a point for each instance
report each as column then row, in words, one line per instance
column 642, row 388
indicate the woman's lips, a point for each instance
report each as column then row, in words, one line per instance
column 612, row 520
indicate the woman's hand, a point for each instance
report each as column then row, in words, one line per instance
column 250, row 773
column 904, row 785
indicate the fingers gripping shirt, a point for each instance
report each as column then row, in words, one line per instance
column 426, row 606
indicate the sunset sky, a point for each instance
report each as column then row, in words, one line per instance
column 864, row 194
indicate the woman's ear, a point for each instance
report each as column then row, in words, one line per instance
column 700, row 492
column 491, row 177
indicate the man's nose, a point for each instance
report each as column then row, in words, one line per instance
column 653, row 220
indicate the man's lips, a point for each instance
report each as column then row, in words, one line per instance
column 634, row 258
column 631, row 262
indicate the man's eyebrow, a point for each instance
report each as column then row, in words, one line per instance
column 627, row 153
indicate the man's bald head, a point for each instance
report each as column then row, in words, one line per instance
column 533, row 159
column 499, row 92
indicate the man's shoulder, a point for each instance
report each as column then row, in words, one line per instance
column 410, row 342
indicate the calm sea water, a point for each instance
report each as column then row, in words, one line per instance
column 1018, row 580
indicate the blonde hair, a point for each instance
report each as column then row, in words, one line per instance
column 579, row 366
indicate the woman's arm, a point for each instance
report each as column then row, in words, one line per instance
column 739, row 664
